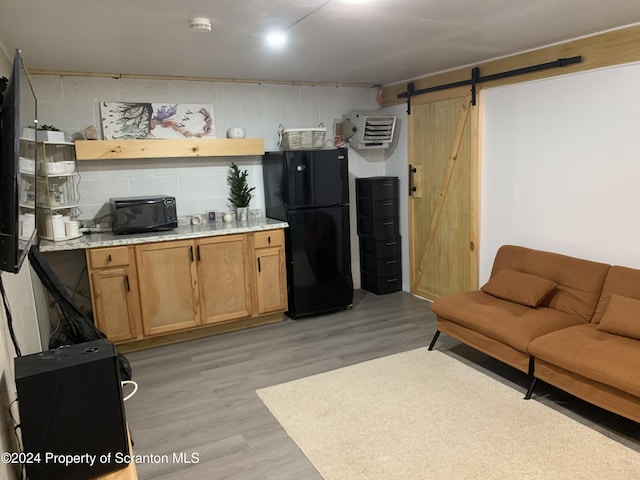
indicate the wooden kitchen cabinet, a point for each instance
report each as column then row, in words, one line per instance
column 114, row 292
column 270, row 268
column 223, row 278
column 158, row 289
column 168, row 286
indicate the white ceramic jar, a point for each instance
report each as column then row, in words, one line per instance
column 236, row 132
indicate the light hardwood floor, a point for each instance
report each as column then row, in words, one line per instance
column 199, row 396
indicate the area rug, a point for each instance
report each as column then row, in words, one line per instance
column 422, row 415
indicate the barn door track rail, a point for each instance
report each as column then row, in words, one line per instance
column 476, row 78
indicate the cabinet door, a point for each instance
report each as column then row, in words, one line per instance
column 271, row 280
column 270, row 268
column 168, row 286
column 115, row 304
column 223, row 278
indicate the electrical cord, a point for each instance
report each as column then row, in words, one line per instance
column 16, row 426
column 99, row 220
column 135, row 389
column 7, row 310
column 76, row 185
column 75, row 288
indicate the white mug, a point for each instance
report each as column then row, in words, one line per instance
column 236, row 132
column 54, row 226
column 72, row 228
column 28, row 224
column 197, row 219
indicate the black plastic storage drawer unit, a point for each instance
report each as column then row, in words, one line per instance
column 379, row 234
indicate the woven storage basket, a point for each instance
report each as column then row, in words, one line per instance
column 301, row 138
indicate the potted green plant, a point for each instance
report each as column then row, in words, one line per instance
column 49, row 133
column 45, row 133
column 240, row 192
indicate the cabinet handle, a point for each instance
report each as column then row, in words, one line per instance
column 391, row 280
column 109, row 258
column 388, row 244
column 388, row 223
column 191, row 252
column 269, row 239
column 390, row 262
column 259, row 269
column 198, row 252
column 387, row 204
column 387, row 184
column 126, row 281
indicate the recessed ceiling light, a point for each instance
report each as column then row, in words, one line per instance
column 276, row 39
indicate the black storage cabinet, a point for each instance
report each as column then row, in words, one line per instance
column 379, row 234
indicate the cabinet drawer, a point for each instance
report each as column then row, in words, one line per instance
column 382, row 228
column 268, row 238
column 381, row 266
column 381, row 285
column 377, row 188
column 378, row 208
column 384, row 248
column 109, row 257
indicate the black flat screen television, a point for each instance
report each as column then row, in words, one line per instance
column 17, row 167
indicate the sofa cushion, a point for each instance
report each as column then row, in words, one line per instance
column 519, row 287
column 622, row 317
column 579, row 281
column 622, row 281
column 583, row 349
column 508, row 322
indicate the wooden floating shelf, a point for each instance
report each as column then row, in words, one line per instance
column 168, row 148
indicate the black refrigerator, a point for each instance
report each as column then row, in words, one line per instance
column 309, row 189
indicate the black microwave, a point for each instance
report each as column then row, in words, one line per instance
column 144, row 214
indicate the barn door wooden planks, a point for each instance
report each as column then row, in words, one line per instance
column 443, row 149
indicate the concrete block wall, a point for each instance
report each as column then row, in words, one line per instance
column 72, row 103
column 199, row 184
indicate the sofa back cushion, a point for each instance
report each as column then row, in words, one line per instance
column 523, row 288
column 622, row 317
column 621, row 281
column 579, row 282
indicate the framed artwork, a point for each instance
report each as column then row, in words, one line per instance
column 156, row 120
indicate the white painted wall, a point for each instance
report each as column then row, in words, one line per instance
column 560, row 166
column 199, row 185
column 554, row 174
column 397, row 165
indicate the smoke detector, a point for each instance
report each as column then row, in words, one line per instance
column 200, row 24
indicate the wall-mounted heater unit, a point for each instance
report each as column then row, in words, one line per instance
column 368, row 130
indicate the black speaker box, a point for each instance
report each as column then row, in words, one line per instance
column 71, row 412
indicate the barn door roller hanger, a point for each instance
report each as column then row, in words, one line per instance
column 476, row 78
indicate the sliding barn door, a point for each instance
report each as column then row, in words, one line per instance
column 443, row 207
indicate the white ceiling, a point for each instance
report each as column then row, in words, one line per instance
column 378, row 42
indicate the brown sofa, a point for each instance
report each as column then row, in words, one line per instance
column 570, row 322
